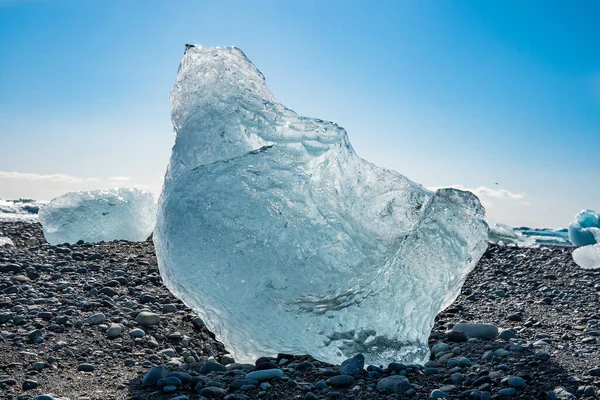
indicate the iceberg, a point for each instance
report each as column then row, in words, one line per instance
column 587, row 257
column 20, row 210
column 283, row 240
column 585, row 229
column 99, row 215
column 504, row 234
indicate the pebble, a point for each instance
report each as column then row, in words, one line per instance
column 394, row 384
column 211, row 366
column 479, row 331
column 265, row 374
column 147, row 318
column 96, row 319
column 154, row 375
column 85, row 367
column 137, row 333
column 114, row 330
column 353, row 366
column 340, row 381
column 516, row 382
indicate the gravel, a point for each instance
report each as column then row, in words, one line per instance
column 93, row 321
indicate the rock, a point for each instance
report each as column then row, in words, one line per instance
column 393, row 384
column 438, row 394
column 265, row 374
column 594, row 372
column 96, row 319
column 507, row 334
column 213, row 392
column 238, row 383
column 114, row 330
column 479, row 331
column 353, row 366
column 211, row 366
column 560, row 393
column 85, row 367
column 29, row 384
column 507, row 392
column 168, row 381
column 147, row 318
column 457, row 337
column 516, row 382
column 514, row 317
column 340, row 381
column 154, row 375
column 137, row 333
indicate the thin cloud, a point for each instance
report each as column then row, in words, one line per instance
column 120, row 178
column 44, row 177
column 487, row 195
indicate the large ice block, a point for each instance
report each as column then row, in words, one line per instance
column 99, row 215
column 585, row 229
column 283, row 240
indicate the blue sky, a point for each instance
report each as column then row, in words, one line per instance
column 502, row 97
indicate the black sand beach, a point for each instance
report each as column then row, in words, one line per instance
column 89, row 321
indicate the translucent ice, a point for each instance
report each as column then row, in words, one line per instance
column 504, row 234
column 284, row 240
column 5, row 241
column 585, row 229
column 99, row 215
column 587, row 257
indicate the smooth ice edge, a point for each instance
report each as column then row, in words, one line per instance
column 283, row 240
column 585, row 229
column 24, row 210
column 587, row 257
column 6, row 241
column 99, row 215
column 505, row 235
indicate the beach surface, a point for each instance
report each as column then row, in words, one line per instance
column 91, row 321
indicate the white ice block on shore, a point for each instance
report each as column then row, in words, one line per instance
column 283, row 240
column 99, row 215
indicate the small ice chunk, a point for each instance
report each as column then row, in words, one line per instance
column 585, row 229
column 284, row 240
column 504, row 234
column 99, row 215
column 5, row 241
column 587, row 257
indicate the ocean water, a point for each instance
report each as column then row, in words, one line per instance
column 20, row 210
column 547, row 237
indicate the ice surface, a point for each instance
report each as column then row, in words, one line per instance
column 545, row 236
column 585, row 229
column 284, row 240
column 20, row 210
column 6, row 241
column 587, row 257
column 99, row 215
column 504, row 234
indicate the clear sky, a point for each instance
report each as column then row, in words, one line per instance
column 501, row 97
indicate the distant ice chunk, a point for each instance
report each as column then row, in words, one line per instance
column 6, row 241
column 504, row 234
column 99, row 215
column 587, row 257
column 283, row 240
column 585, row 229
column 20, row 210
